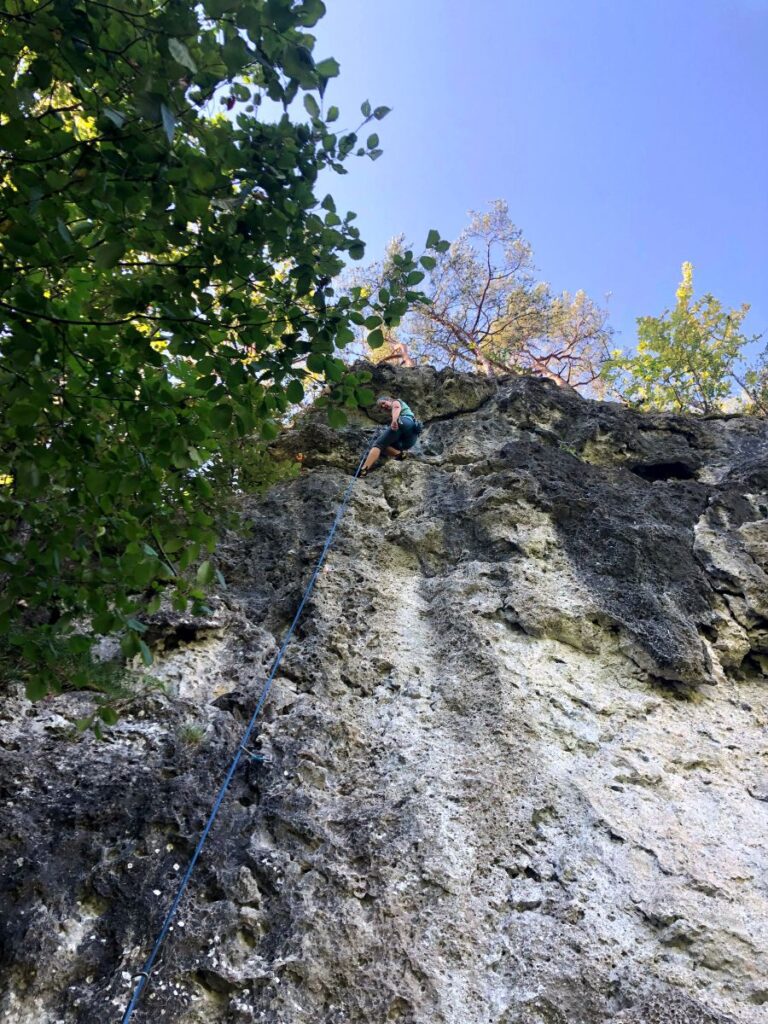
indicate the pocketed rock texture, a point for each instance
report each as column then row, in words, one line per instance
column 518, row 768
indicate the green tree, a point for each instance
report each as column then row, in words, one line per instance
column 685, row 359
column 165, row 288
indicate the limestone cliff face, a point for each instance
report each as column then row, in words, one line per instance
column 518, row 745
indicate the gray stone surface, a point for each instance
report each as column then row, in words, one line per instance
column 519, row 770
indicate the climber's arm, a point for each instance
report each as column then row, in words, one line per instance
column 396, row 407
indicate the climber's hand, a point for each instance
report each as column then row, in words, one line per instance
column 395, row 426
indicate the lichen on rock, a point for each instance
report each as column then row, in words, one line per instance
column 516, row 751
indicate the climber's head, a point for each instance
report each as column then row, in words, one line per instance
column 384, row 402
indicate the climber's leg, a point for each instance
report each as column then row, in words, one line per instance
column 373, row 457
column 393, row 453
column 385, row 442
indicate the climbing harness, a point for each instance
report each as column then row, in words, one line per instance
column 143, row 975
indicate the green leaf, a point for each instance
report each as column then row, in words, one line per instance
column 357, row 250
column 365, row 396
column 334, row 370
column 299, row 64
column 108, row 715
column 36, row 687
column 336, row 417
column 146, row 654
column 332, row 115
column 373, row 141
column 114, row 116
column 365, row 109
column 64, row 231
column 311, row 105
column 376, row 338
column 23, row 414
column 202, row 177
column 344, row 336
column 169, row 121
column 12, row 134
column 327, row 68
column 346, row 144
column 295, row 391
column 41, row 71
column 433, row 239
column 56, row 179
column 381, row 112
column 205, row 573
column 428, row 262
column 108, row 254
column 309, row 12
column 181, row 54
column 221, row 416
column 104, row 623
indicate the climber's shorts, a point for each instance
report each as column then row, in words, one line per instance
column 402, row 439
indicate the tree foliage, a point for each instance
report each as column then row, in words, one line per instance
column 165, row 288
column 686, row 358
column 487, row 312
column 755, row 385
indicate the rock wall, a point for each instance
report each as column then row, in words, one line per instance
column 518, row 763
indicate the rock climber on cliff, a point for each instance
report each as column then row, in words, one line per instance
column 399, row 436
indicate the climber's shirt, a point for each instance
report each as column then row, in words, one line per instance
column 405, row 410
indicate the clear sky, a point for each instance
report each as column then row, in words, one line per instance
column 626, row 136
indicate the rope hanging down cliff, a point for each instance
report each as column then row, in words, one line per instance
column 144, row 974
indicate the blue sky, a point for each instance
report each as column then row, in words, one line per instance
column 626, row 136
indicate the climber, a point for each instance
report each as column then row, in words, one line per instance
column 401, row 434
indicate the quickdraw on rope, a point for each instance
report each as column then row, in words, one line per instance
column 144, row 975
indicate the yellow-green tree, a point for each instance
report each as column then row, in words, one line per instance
column 755, row 385
column 685, row 358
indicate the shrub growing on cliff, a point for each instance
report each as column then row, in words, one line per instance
column 165, row 274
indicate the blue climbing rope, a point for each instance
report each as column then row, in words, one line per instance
column 143, row 975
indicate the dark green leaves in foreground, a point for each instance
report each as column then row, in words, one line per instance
column 165, row 294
